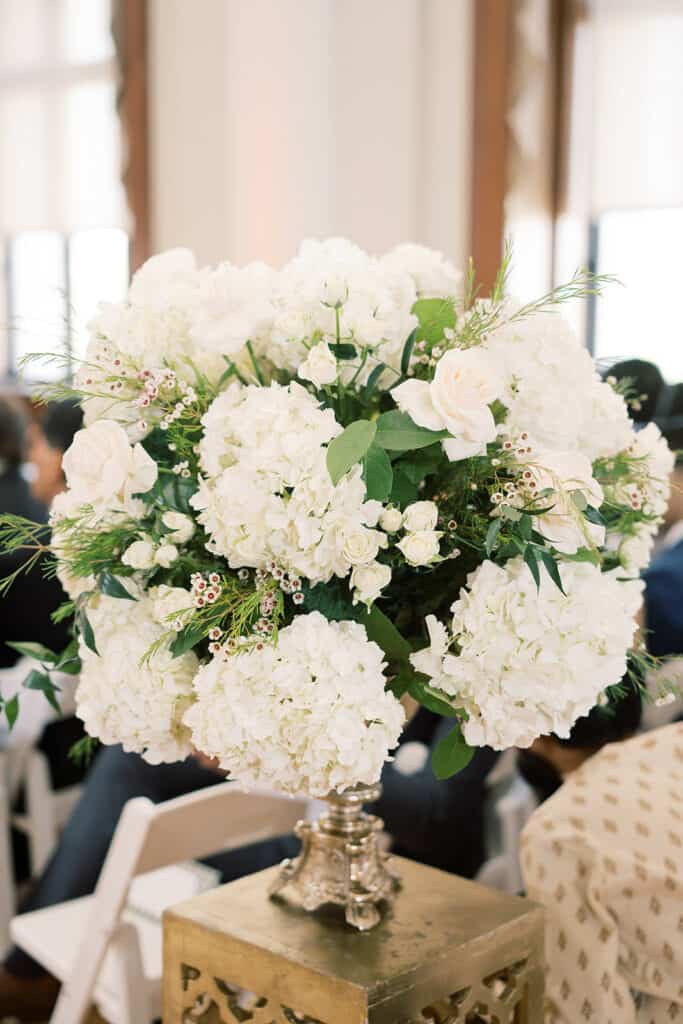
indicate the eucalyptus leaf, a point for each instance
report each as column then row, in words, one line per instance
column 403, row 491
column 593, row 516
column 434, row 317
column 408, row 351
column 397, row 432
column 451, row 754
column 377, row 473
column 418, row 466
column 492, row 536
column 112, row 587
column 531, row 560
column 552, row 569
column 185, row 640
column 373, row 381
column 349, row 448
column 87, row 632
column 36, row 651
column 36, row 680
column 12, row 710
column 579, row 500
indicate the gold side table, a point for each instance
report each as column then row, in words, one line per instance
column 450, row 952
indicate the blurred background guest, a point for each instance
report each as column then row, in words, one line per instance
column 604, row 855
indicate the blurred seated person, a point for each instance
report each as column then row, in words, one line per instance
column 604, row 855
column 33, row 596
column 438, row 823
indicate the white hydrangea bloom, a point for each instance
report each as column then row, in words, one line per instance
column 309, row 715
column 434, row 275
column 123, row 697
column 531, row 661
column 375, row 313
column 267, row 494
column 552, row 389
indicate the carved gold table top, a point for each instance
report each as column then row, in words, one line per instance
column 449, row 951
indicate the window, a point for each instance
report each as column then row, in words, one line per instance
column 62, row 208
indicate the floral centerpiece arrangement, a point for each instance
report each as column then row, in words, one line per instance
column 300, row 494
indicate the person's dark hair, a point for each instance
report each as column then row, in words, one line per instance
column 662, row 404
column 60, row 423
column 616, row 720
column 12, row 433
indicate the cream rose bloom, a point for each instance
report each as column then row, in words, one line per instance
column 165, row 555
column 140, row 554
column 320, row 366
column 181, row 527
column 104, row 470
column 368, row 582
column 361, row 545
column 391, row 520
column 565, row 525
column 421, row 515
column 458, row 400
column 421, row 547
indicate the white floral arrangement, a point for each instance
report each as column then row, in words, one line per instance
column 302, row 493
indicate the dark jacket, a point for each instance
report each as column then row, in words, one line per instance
column 26, row 608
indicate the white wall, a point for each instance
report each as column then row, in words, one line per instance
column 272, row 120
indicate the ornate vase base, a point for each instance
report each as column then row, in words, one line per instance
column 341, row 861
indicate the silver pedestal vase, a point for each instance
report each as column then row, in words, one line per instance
column 342, row 861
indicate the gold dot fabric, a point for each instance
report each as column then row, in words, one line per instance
column 605, row 857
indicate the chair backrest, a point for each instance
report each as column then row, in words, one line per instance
column 150, row 836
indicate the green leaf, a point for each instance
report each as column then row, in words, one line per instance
column 36, row 680
column 451, row 754
column 372, row 381
column 593, row 516
column 330, row 599
column 584, row 555
column 112, row 587
column 408, row 351
column 70, row 667
column 397, row 432
column 377, row 473
column 185, row 640
column 492, row 536
column 511, row 513
column 349, row 448
column 434, row 317
column 552, row 569
column 403, row 491
column 382, row 630
column 531, row 560
column 12, row 710
column 36, row 651
column 420, row 465
column 525, row 527
column 86, row 632
column 343, row 350
column 425, row 696
column 579, row 500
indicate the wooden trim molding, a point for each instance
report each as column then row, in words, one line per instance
column 129, row 28
column 493, row 40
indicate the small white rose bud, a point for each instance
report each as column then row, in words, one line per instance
column 391, row 520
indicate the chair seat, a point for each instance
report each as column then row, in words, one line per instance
column 53, row 935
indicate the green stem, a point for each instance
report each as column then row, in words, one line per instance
column 254, row 363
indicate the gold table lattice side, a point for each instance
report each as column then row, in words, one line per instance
column 450, row 952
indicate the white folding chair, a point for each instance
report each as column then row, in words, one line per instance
column 110, row 956
column 6, row 870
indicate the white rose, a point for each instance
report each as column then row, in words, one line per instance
column 565, row 525
column 457, row 400
column 320, row 366
column 102, row 469
column 361, row 545
column 420, row 548
column 391, row 520
column 168, row 602
column 166, row 555
column 421, row 515
column 140, row 554
column 181, row 526
column 368, row 581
